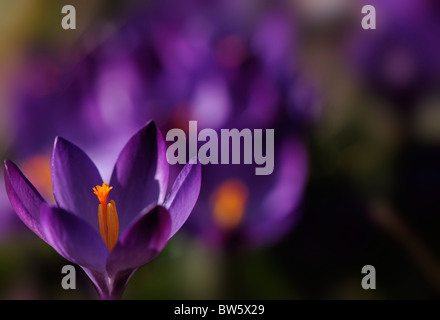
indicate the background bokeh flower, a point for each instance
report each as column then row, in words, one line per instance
column 239, row 209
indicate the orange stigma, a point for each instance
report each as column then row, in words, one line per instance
column 107, row 216
column 102, row 193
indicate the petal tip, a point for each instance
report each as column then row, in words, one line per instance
column 151, row 123
column 8, row 166
column 6, row 163
column 59, row 141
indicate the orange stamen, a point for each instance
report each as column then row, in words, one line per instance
column 102, row 225
column 113, row 225
column 107, row 216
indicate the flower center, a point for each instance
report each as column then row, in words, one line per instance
column 107, row 216
column 229, row 203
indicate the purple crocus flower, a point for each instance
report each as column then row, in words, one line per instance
column 108, row 240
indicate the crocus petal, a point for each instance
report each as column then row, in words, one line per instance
column 141, row 242
column 74, row 176
column 140, row 176
column 73, row 238
column 25, row 200
column 183, row 195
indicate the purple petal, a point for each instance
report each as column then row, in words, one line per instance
column 183, row 195
column 280, row 208
column 25, row 200
column 141, row 242
column 140, row 176
column 74, row 176
column 73, row 238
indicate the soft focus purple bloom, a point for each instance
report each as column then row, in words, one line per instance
column 148, row 217
column 97, row 94
column 216, row 64
column 399, row 60
column 237, row 209
column 211, row 62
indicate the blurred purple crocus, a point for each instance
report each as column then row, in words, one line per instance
column 399, row 60
column 108, row 240
column 238, row 209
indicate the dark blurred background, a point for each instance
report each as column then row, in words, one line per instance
column 356, row 115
